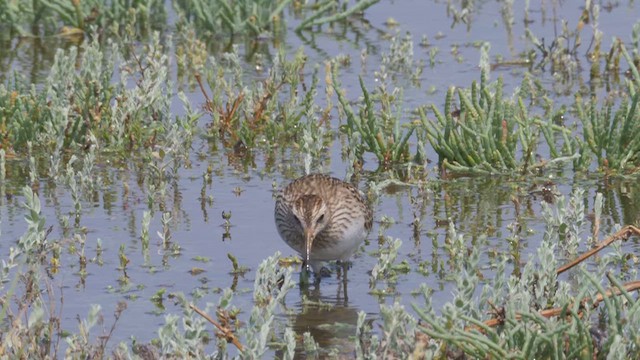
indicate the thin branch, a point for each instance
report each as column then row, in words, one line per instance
column 228, row 334
column 622, row 234
column 547, row 313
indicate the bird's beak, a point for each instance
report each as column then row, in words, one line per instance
column 308, row 242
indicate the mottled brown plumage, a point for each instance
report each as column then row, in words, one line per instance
column 322, row 218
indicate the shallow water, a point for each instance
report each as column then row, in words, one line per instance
column 477, row 206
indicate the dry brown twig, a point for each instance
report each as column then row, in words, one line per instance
column 208, row 103
column 227, row 333
column 630, row 286
column 622, row 234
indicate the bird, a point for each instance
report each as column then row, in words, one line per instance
column 322, row 218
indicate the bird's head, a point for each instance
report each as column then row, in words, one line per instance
column 312, row 215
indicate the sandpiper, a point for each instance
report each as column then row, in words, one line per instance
column 322, row 218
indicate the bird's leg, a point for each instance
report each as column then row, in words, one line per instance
column 346, row 265
column 342, row 275
column 316, row 280
column 344, row 288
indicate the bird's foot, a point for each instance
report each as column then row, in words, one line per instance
column 324, row 272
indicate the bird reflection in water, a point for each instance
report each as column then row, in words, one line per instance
column 329, row 320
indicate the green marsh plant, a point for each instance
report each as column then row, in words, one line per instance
column 262, row 113
column 375, row 128
column 187, row 336
column 30, row 326
column 387, row 269
column 481, row 136
column 264, row 18
column 81, row 108
column 330, row 11
column 400, row 59
column 612, row 135
column 253, row 17
column 71, row 18
column 144, row 236
column 485, row 133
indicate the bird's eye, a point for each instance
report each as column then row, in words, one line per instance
column 320, row 219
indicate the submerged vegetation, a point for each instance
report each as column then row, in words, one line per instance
column 132, row 109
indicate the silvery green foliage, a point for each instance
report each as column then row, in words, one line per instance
column 537, row 286
column 524, row 332
column 87, row 173
column 179, row 135
column 4, row 266
column 34, row 239
column 66, row 83
column 32, row 243
column 75, row 196
column 290, row 343
column 270, row 288
column 539, row 277
column 143, row 94
column 185, row 336
column 165, row 234
column 635, row 36
column 467, row 280
column 80, row 345
column 616, row 257
column 225, row 77
column 55, row 159
column 367, row 344
column 3, row 165
column 23, row 338
column 311, row 347
column 464, row 305
column 597, row 207
column 144, row 231
column 7, row 264
column 400, row 55
column 398, row 337
column 485, row 61
column 313, row 145
column 33, row 172
column 617, row 348
column 495, row 291
column 455, row 245
column 384, row 267
column 353, row 152
column 631, row 330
